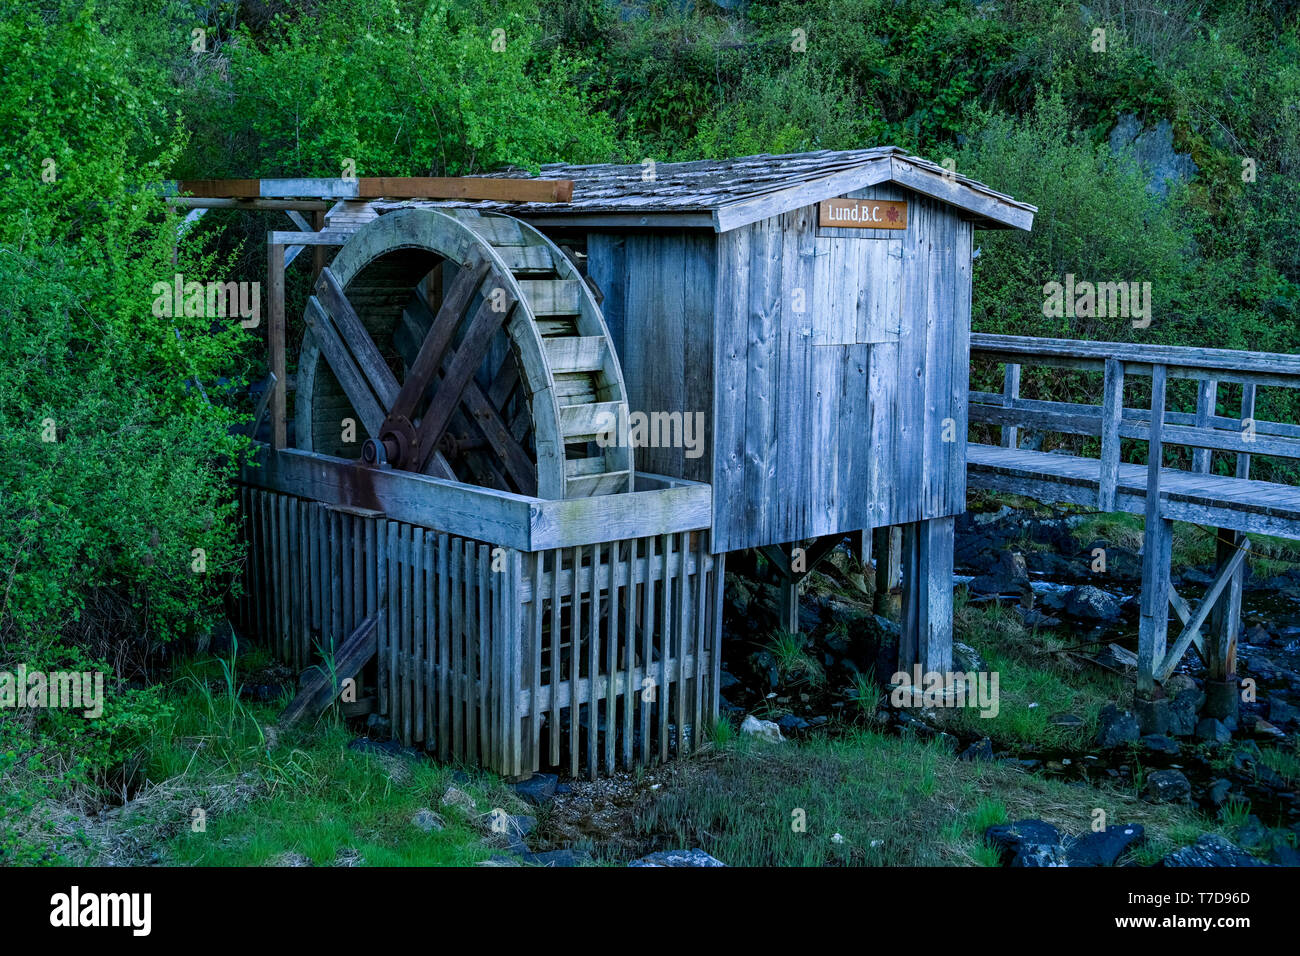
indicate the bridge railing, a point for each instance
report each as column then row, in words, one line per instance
column 1205, row 431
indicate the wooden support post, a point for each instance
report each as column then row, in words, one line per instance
column 788, row 614
column 318, row 253
column 1206, row 394
column 927, row 595
column 889, row 571
column 1112, row 414
column 862, row 547
column 1010, row 392
column 1156, row 549
column 1225, row 619
column 275, row 342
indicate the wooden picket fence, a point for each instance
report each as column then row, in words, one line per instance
column 593, row 657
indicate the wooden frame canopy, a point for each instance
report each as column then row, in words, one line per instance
column 392, row 187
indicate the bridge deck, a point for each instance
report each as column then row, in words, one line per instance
column 1225, row 502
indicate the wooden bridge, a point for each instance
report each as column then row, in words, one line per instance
column 1226, row 498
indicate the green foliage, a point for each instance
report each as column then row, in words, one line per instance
column 398, row 87
column 113, row 467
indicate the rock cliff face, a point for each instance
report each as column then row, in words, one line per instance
column 1154, row 151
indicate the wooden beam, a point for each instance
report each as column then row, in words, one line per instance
column 1193, row 628
column 322, row 684
column 1112, row 414
column 1157, row 540
column 275, row 340
column 483, row 514
column 500, row 189
column 278, row 205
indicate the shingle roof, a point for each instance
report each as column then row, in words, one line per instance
column 735, row 191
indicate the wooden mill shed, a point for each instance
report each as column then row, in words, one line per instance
column 520, row 585
column 815, row 307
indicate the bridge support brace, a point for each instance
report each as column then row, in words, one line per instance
column 793, row 563
column 1221, row 692
column 888, row 546
column 927, row 595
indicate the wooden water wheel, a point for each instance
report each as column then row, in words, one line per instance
column 465, row 346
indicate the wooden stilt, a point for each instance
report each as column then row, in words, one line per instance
column 927, row 595
column 889, row 571
column 275, row 341
column 1156, row 548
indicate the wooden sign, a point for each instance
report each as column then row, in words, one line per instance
column 863, row 213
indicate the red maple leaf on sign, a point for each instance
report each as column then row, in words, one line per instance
column 891, row 214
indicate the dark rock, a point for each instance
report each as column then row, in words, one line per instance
column 1008, row 575
column 1103, row 848
column 1284, row 854
column 1252, row 834
column 1168, row 786
column 1210, row 850
column 379, row 726
column 1010, row 838
column 537, row 789
column 1213, row 730
column 1032, row 617
column 1218, row 792
column 1160, row 744
column 1257, row 635
column 966, row 659
column 428, row 821
column 726, row 681
column 1040, row 854
column 790, row 723
column 1066, row 720
column 1116, row 727
column 982, row 749
column 678, row 858
column 1183, row 713
column 1090, row 603
column 1280, row 712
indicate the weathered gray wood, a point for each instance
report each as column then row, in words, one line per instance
column 575, row 656
column 629, row 655
column 1206, row 392
column 1157, row 541
column 323, row 684
column 1010, row 392
column 482, row 712
column 528, row 524
column 553, row 717
column 1220, row 651
column 1193, row 626
column 926, row 626
column 1112, row 415
column 1223, row 365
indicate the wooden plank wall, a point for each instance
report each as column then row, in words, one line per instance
column 658, row 305
column 487, row 654
column 831, row 419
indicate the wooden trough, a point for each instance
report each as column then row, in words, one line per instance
column 544, row 584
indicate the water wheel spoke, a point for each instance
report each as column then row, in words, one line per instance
column 368, row 359
column 484, row 420
column 350, row 377
column 487, row 320
column 441, row 328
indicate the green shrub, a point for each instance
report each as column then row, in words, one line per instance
column 114, row 467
